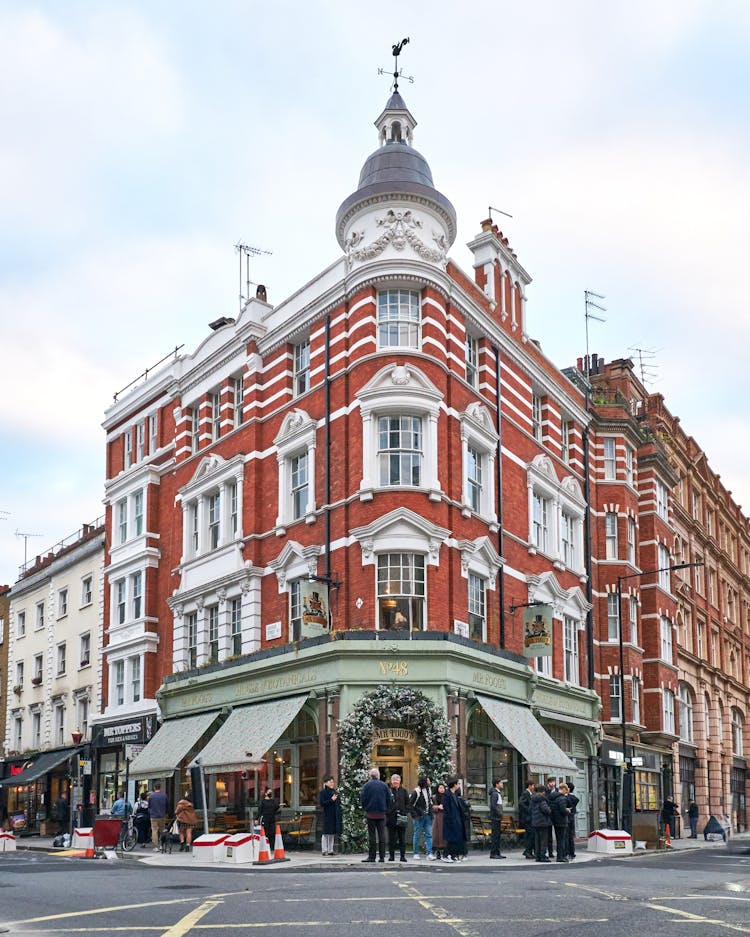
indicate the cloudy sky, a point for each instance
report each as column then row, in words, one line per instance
column 141, row 140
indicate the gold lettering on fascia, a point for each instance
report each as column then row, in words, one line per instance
column 398, row 667
column 394, row 735
column 558, row 703
column 489, row 679
column 200, row 699
column 283, row 682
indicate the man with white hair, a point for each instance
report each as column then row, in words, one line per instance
column 375, row 798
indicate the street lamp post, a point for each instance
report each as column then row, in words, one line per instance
column 75, row 786
column 627, row 769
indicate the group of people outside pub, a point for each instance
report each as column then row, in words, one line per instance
column 441, row 819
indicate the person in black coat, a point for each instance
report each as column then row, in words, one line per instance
column 524, row 819
column 269, row 807
column 558, row 803
column 568, row 789
column 397, row 832
column 541, row 822
column 331, row 806
column 454, row 830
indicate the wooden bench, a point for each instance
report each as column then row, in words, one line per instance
column 300, row 832
column 481, row 830
column 510, row 832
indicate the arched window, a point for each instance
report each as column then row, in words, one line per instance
column 686, row 713
column 737, row 726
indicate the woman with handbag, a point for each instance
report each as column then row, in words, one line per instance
column 186, row 818
column 397, row 819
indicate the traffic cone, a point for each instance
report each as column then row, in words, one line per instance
column 278, row 847
column 90, row 854
column 264, row 853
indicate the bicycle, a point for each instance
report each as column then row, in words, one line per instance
column 128, row 836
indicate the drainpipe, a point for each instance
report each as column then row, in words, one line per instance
column 587, row 550
column 328, row 449
column 499, row 475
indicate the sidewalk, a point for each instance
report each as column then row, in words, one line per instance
column 309, row 859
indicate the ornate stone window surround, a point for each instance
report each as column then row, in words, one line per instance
column 214, row 475
column 478, row 432
column 296, row 437
column 562, row 496
column 399, row 390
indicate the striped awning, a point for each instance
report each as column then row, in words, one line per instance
column 173, row 741
column 248, row 733
column 521, row 728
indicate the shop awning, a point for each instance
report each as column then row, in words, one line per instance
column 521, row 728
column 573, row 720
column 44, row 763
column 248, row 733
column 159, row 759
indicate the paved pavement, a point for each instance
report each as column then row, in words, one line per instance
column 310, row 859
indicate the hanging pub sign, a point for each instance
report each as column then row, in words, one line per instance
column 314, row 599
column 537, row 631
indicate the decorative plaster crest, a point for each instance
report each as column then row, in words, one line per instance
column 400, row 230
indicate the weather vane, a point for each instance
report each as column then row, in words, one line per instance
column 396, row 73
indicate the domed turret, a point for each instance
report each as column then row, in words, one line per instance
column 396, row 203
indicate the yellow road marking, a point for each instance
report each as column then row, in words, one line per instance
column 697, row 918
column 187, row 923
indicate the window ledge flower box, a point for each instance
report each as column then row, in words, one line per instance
column 36, row 681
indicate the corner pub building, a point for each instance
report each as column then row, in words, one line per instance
column 388, row 440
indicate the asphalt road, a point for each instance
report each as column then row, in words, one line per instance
column 689, row 893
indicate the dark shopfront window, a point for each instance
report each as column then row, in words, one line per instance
column 687, row 780
column 739, row 806
column 487, row 757
column 609, row 794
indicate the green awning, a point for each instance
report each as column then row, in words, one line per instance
column 44, row 763
column 248, row 734
column 173, row 741
column 520, row 727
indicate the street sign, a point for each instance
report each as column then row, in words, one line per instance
column 132, row 750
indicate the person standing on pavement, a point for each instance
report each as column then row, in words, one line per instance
column 496, row 818
column 438, row 840
column 524, row 819
column 568, row 789
column 121, row 808
column 375, row 799
column 692, row 813
column 158, row 811
column 420, row 803
column 668, row 813
column 331, row 806
column 558, row 802
column 141, row 820
column 453, row 823
column 541, row 822
column 269, row 807
column 396, row 819
column 551, row 794
column 187, row 819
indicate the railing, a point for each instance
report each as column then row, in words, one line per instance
column 144, row 374
column 54, row 551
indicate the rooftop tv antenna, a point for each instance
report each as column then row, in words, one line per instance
column 648, row 371
column 590, row 297
column 4, row 515
column 26, row 538
column 397, row 72
column 247, row 251
column 499, row 211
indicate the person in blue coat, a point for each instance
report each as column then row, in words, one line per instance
column 454, row 830
column 375, row 799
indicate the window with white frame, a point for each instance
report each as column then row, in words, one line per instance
column 631, row 541
column 212, row 627
column 570, row 649
column 474, row 479
column 61, row 661
column 536, row 416
column 39, row 616
column 479, row 446
column 191, row 623
column 128, row 448
column 214, row 400
column 477, row 607
column 212, row 506
column 610, row 458
column 140, row 440
column 295, row 610
column 235, row 626
column 20, row 624
column 633, row 620
column 195, row 428
column 82, row 715
column 136, row 594
column 686, row 713
column 401, row 592
column 610, row 535
column 18, row 733
column 87, row 590
column 121, row 509
column 664, row 571
column 665, row 632
column 135, row 678
column 62, row 603
column 153, row 432
column 543, row 666
column 129, row 516
column 615, row 697
column 38, row 668
column 667, row 710
column 59, row 724
column 399, row 319
column 121, row 601
column 636, row 694
column 613, row 617
column 234, row 507
column 629, row 473
column 472, row 360
column 36, row 730
column 540, row 521
column 696, row 506
column 698, row 574
column 19, row 673
column 565, row 434
column 662, row 500
column 238, row 398
column 119, row 682
column 295, row 453
column 712, row 586
column 568, row 526
column 85, row 657
column 737, row 727
column 138, row 513
column 213, row 501
column 400, row 451
column 302, row 367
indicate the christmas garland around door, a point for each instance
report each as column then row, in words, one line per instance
column 392, row 705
